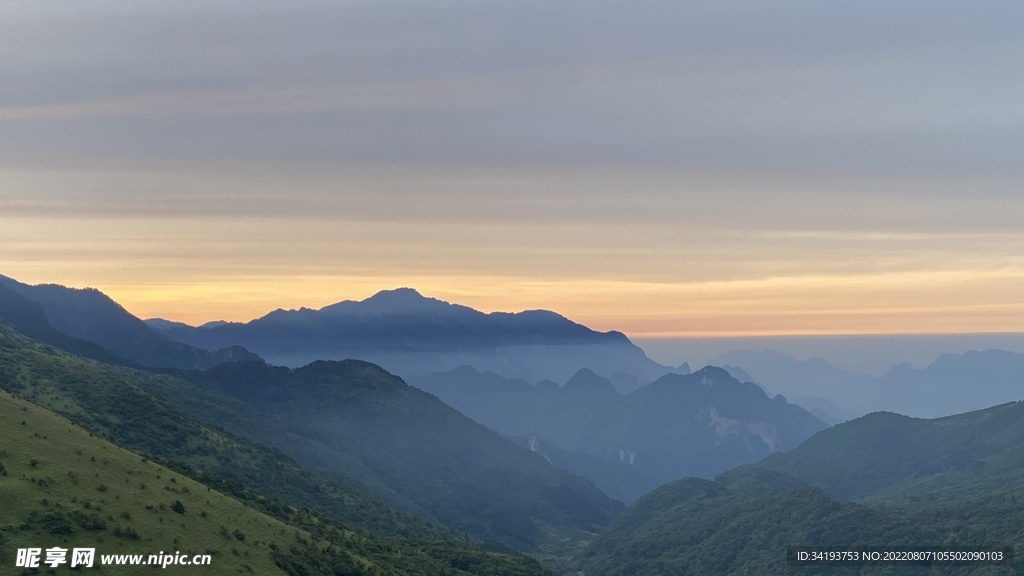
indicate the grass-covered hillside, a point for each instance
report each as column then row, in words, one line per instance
column 115, row 402
column 882, row 480
column 418, row 454
column 60, row 486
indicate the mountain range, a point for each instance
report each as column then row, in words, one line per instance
column 698, row 424
column 84, row 316
column 112, row 430
column 952, row 384
column 412, row 335
column 373, row 451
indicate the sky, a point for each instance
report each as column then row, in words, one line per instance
column 668, row 169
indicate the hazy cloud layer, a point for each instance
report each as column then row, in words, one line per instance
column 660, row 167
column 853, row 87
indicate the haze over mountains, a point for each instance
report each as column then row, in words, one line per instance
column 369, row 443
column 411, row 335
column 952, row 384
column 371, row 426
column 336, row 446
column 698, row 424
column 64, row 485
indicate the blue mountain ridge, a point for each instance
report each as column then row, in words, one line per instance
column 410, row 335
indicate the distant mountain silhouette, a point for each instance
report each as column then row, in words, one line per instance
column 29, row 318
column 412, row 335
column 824, row 409
column 698, row 424
column 738, row 373
column 952, row 384
column 84, row 316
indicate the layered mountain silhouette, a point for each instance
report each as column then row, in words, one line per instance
column 883, row 479
column 952, row 384
column 188, row 484
column 458, row 471
column 412, row 335
column 86, row 316
column 356, row 430
column 680, row 425
column 29, row 318
column 196, row 513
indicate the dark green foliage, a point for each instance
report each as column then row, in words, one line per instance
column 178, row 507
column 91, row 522
column 703, row 527
column 56, row 523
column 126, row 532
column 332, row 549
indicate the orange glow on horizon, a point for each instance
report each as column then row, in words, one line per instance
column 889, row 304
column 648, row 268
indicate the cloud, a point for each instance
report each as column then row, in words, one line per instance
column 432, row 94
column 841, row 87
column 697, row 167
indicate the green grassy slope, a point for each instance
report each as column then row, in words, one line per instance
column 111, row 401
column 61, row 486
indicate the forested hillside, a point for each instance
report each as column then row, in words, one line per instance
column 61, row 486
column 882, row 479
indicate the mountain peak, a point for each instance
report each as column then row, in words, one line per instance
column 712, row 375
column 400, row 294
column 585, row 380
column 399, row 300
